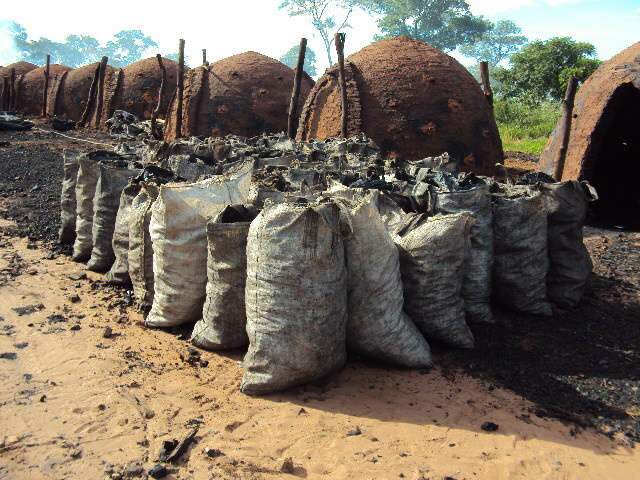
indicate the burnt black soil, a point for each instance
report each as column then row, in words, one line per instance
column 582, row 367
column 31, row 181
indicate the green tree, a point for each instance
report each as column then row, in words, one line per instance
column 327, row 17
column 445, row 24
column 81, row 50
column 499, row 42
column 541, row 70
column 127, row 46
column 291, row 59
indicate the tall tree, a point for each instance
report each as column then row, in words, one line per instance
column 445, row 24
column 542, row 69
column 128, row 46
column 81, row 50
column 291, row 59
column 498, row 43
column 327, row 17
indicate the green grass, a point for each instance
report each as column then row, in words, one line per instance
column 523, row 127
column 514, row 141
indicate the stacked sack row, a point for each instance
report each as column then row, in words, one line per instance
column 303, row 275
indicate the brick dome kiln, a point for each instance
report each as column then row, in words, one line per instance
column 413, row 100
column 604, row 140
column 245, row 94
column 138, row 85
column 20, row 68
column 71, row 93
column 30, row 88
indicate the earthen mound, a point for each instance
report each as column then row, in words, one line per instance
column 604, row 141
column 246, row 94
column 413, row 100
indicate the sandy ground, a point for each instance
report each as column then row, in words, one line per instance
column 77, row 405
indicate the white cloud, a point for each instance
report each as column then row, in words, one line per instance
column 492, row 7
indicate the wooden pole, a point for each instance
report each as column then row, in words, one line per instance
column 204, row 57
column 339, row 40
column 100, row 95
column 4, row 101
column 12, row 90
column 90, row 98
column 295, row 93
column 180, row 89
column 565, row 129
column 486, row 83
column 47, row 71
column 154, row 114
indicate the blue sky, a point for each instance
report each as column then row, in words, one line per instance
column 610, row 25
column 228, row 27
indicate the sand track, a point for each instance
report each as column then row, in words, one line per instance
column 74, row 403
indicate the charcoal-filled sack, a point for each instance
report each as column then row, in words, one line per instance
column 119, row 272
column 296, row 296
column 223, row 323
column 432, row 253
column 178, row 230
column 140, row 254
column 476, row 287
column 378, row 327
column 520, row 263
column 67, row 232
column 88, row 174
column 114, row 177
column 570, row 265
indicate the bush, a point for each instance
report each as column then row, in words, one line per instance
column 525, row 127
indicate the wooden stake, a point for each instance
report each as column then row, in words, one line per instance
column 4, row 101
column 180, row 89
column 100, row 95
column 339, row 40
column 295, row 92
column 486, row 83
column 47, row 71
column 565, row 128
column 91, row 97
column 12, row 90
column 154, row 114
column 204, row 57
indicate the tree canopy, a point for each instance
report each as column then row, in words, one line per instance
column 327, row 17
column 125, row 47
column 542, row 69
column 291, row 59
column 444, row 24
column 498, row 43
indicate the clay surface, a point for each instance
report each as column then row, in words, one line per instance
column 413, row 100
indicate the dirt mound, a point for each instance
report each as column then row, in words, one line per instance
column 138, row 88
column 604, row 143
column 413, row 100
column 30, row 88
column 246, row 94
